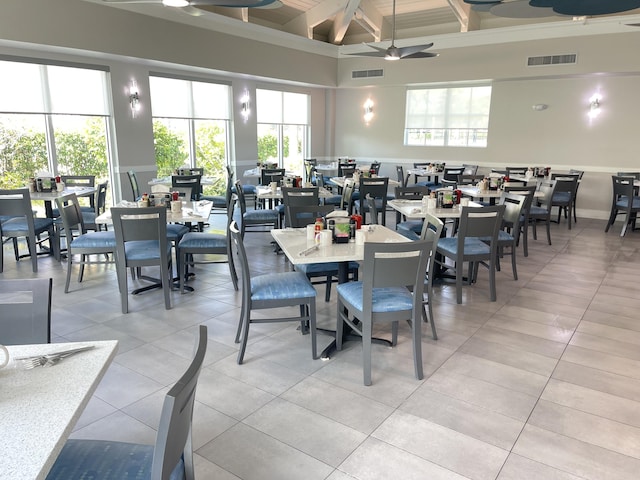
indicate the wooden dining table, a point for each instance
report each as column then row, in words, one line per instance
column 301, row 250
column 41, row 406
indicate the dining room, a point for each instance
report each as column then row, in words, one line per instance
column 537, row 384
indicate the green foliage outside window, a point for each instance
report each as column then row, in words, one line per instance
column 268, row 148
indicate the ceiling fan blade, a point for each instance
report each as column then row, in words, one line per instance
column 379, row 54
column 405, row 51
column 420, row 55
column 132, row 1
column 214, row 3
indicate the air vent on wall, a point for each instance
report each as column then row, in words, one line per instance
column 568, row 58
column 367, row 73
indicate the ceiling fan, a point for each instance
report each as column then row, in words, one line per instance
column 188, row 5
column 397, row 53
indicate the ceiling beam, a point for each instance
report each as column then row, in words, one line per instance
column 342, row 21
column 304, row 23
column 468, row 18
column 369, row 14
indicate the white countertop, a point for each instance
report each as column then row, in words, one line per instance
column 41, row 406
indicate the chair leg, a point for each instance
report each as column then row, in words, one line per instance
column 327, row 293
column 416, row 334
column 549, row 230
column 492, row 280
column 367, row 328
column 312, row 327
column 459, row 270
column 69, row 257
column 245, row 335
column 340, row 324
column 513, row 261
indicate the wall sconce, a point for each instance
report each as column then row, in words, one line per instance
column 134, row 98
column 245, row 105
column 594, row 105
column 368, row 111
column 538, row 107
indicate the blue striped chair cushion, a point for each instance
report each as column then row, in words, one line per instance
column 195, row 240
column 144, row 249
column 472, row 246
column 99, row 459
column 280, row 286
column 263, row 215
column 19, row 224
column 393, row 299
column 95, row 240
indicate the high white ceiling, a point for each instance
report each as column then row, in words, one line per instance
column 346, row 22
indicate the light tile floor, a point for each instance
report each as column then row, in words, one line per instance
column 542, row 384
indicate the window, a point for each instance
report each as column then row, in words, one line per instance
column 52, row 119
column 283, row 129
column 191, row 127
column 454, row 117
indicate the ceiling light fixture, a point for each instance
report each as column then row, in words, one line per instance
column 531, row 8
column 175, row 3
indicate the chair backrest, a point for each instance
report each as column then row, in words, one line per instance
column 79, row 180
column 346, row 202
column 546, row 187
column 192, row 181
column 346, row 171
column 469, row 179
column 241, row 198
column 580, row 174
column 17, row 203
column 635, row 175
column 268, row 175
column 528, row 191
column 517, row 170
column 514, row 207
column 375, row 168
column 100, row 198
column 238, row 246
column 566, row 183
column 470, row 169
column 400, row 175
column 411, row 193
column 451, row 173
column 376, row 187
column 298, row 197
column 480, row 222
column 137, row 224
column 401, row 264
column 25, row 311
column 184, row 193
column 622, row 187
column 71, row 214
column 133, row 180
column 173, row 440
column 421, row 164
column 299, row 216
column 373, row 210
column 431, row 232
column 191, row 171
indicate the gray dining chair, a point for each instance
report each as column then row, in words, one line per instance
column 170, row 458
column 432, row 228
column 195, row 244
column 252, row 220
column 272, row 290
column 625, row 201
column 391, row 290
column 79, row 241
column 25, row 311
column 475, row 243
column 20, row 222
column 141, row 241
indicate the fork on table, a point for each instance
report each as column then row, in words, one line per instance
column 50, row 359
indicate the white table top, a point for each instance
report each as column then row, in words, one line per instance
column 423, row 172
column 339, row 181
column 415, row 209
column 51, row 196
column 265, row 192
column 192, row 212
column 292, row 241
column 41, row 406
column 475, row 192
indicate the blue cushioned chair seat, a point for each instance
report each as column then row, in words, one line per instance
column 393, row 299
column 472, row 246
column 19, row 224
column 144, row 249
column 176, row 231
column 623, row 203
column 203, row 240
column 217, row 200
column 319, row 268
column 334, row 200
column 101, row 460
column 564, row 197
column 95, row 240
column 263, row 215
column 279, row 286
column 534, row 210
column 425, row 184
column 502, row 237
column 413, row 225
column 247, row 189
